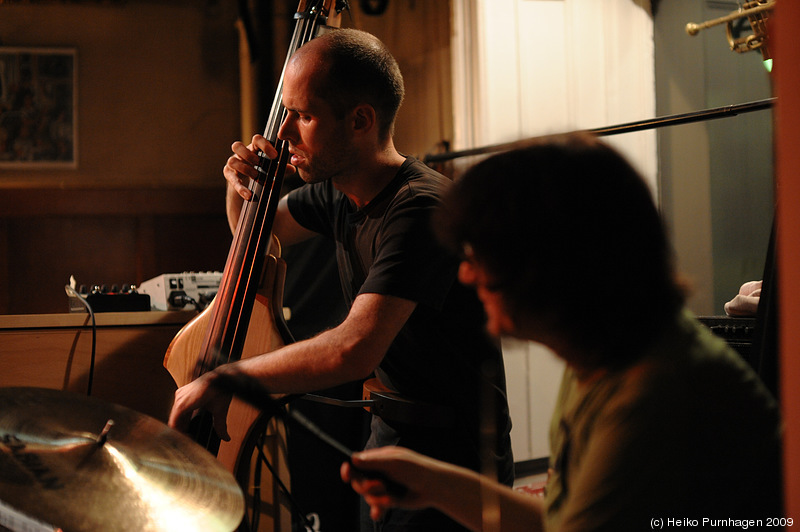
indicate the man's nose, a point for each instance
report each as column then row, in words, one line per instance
column 284, row 132
column 466, row 273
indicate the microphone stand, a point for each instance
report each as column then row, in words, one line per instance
column 629, row 127
column 253, row 392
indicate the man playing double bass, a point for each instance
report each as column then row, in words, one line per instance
column 410, row 323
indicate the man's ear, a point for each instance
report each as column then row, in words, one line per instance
column 364, row 118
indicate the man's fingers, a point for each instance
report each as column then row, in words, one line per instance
column 221, row 427
column 259, row 143
column 176, row 422
column 179, row 418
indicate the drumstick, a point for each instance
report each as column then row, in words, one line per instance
column 253, row 392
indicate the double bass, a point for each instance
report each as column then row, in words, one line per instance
column 245, row 318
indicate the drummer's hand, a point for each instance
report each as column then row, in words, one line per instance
column 402, row 466
column 198, row 394
column 243, row 165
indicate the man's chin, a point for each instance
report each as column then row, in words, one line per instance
column 304, row 175
column 309, row 178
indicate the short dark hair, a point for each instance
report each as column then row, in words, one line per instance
column 360, row 69
column 570, row 233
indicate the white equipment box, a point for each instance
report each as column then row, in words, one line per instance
column 175, row 291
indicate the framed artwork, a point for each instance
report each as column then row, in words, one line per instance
column 38, row 108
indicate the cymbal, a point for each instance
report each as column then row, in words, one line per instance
column 81, row 464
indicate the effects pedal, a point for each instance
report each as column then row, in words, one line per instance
column 104, row 299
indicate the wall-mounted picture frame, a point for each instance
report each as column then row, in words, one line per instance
column 38, row 108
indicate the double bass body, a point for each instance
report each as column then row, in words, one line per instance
column 247, row 427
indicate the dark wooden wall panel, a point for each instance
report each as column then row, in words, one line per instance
column 128, row 237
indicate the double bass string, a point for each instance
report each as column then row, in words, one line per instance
column 230, row 320
column 225, row 323
column 266, row 204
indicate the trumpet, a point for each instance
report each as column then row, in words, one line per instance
column 757, row 13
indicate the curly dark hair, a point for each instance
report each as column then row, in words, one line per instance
column 570, row 234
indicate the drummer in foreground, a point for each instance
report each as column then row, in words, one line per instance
column 656, row 418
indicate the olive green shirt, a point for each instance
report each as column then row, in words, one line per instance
column 687, row 432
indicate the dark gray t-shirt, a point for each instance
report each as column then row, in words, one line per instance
column 388, row 248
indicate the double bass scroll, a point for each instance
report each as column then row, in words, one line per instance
column 245, row 319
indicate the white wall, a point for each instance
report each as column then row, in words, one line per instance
column 524, row 68
column 534, row 375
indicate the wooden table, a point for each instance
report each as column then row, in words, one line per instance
column 55, row 351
